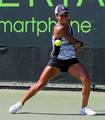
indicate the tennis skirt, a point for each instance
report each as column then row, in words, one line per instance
column 63, row 65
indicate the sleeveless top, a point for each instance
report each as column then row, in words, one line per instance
column 65, row 51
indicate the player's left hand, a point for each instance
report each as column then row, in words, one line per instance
column 78, row 47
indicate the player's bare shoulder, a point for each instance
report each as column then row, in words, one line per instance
column 58, row 30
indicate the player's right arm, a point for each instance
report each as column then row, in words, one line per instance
column 62, row 31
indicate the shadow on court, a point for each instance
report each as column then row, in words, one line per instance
column 58, row 114
column 100, row 114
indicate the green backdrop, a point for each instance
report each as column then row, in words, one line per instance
column 25, row 36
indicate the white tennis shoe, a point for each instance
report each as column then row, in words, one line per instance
column 87, row 111
column 14, row 108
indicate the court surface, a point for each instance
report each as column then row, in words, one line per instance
column 51, row 105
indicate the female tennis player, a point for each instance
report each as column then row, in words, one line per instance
column 62, row 59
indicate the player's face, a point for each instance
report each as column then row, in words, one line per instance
column 63, row 18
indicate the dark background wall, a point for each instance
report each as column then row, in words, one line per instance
column 25, row 37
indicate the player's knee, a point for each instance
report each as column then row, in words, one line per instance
column 40, row 85
column 85, row 79
column 87, row 82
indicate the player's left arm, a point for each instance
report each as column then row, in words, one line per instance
column 77, row 43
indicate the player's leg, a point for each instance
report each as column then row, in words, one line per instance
column 48, row 73
column 79, row 72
